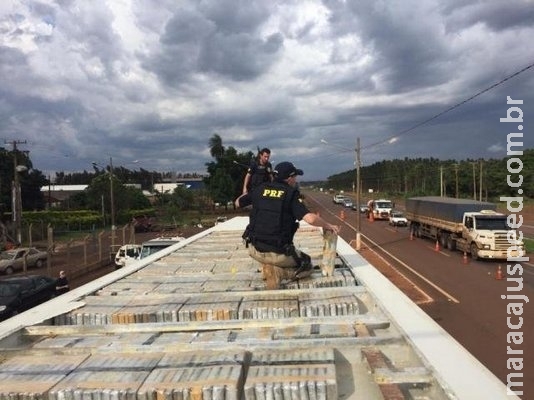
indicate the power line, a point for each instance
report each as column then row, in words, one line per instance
column 406, row 131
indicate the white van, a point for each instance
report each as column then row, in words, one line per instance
column 125, row 253
column 154, row 245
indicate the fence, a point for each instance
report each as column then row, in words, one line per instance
column 82, row 254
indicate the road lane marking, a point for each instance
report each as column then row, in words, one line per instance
column 449, row 296
column 440, row 252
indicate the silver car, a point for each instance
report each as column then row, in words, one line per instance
column 14, row 259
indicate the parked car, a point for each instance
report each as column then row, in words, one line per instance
column 347, row 202
column 20, row 293
column 397, row 218
column 13, row 260
column 125, row 253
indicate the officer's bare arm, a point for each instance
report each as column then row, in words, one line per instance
column 237, row 201
column 316, row 220
column 245, row 182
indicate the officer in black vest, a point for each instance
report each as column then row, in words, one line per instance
column 276, row 208
column 259, row 171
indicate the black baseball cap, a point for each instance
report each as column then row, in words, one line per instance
column 286, row 169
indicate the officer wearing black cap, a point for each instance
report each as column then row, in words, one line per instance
column 276, row 208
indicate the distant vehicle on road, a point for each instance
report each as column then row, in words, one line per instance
column 380, row 208
column 347, row 202
column 20, row 293
column 364, row 209
column 338, row 198
column 13, row 260
column 397, row 218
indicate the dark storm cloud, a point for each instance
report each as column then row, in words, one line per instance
column 496, row 15
column 408, row 51
column 216, row 39
column 153, row 81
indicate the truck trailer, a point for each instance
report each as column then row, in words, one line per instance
column 471, row 226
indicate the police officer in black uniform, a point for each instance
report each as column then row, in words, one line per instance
column 276, row 208
column 259, row 171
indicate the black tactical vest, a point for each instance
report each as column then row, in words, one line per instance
column 260, row 174
column 272, row 226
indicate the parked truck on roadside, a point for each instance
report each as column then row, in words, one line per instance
column 380, row 208
column 473, row 227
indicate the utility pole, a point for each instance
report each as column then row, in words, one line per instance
column 16, row 193
column 441, row 181
column 358, row 187
column 112, row 201
column 456, row 177
column 480, row 182
column 358, row 191
column 474, row 180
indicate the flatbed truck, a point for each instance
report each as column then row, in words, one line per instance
column 474, row 227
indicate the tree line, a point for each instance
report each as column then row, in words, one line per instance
column 481, row 178
column 484, row 179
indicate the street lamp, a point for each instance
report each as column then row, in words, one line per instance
column 358, row 188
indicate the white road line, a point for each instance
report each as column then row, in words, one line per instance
column 440, row 252
column 449, row 296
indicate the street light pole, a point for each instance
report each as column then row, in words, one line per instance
column 112, row 205
column 111, row 197
column 17, row 201
column 358, row 189
column 16, row 194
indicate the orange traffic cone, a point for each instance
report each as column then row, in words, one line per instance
column 465, row 260
column 499, row 274
column 436, row 247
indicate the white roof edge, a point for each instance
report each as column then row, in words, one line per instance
column 458, row 370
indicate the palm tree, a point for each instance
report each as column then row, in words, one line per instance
column 216, row 147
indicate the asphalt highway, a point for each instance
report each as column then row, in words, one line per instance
column 465, row 295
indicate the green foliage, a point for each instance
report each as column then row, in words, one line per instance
column 181, row 198
column 82, row 218
column 30, row 180
column 221, row 189
column 424, row 176
column 227, row 172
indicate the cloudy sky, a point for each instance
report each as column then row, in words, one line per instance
column 147, row 80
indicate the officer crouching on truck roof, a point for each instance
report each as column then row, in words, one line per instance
column 276, row 208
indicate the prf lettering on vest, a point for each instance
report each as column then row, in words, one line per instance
column 273, row 193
